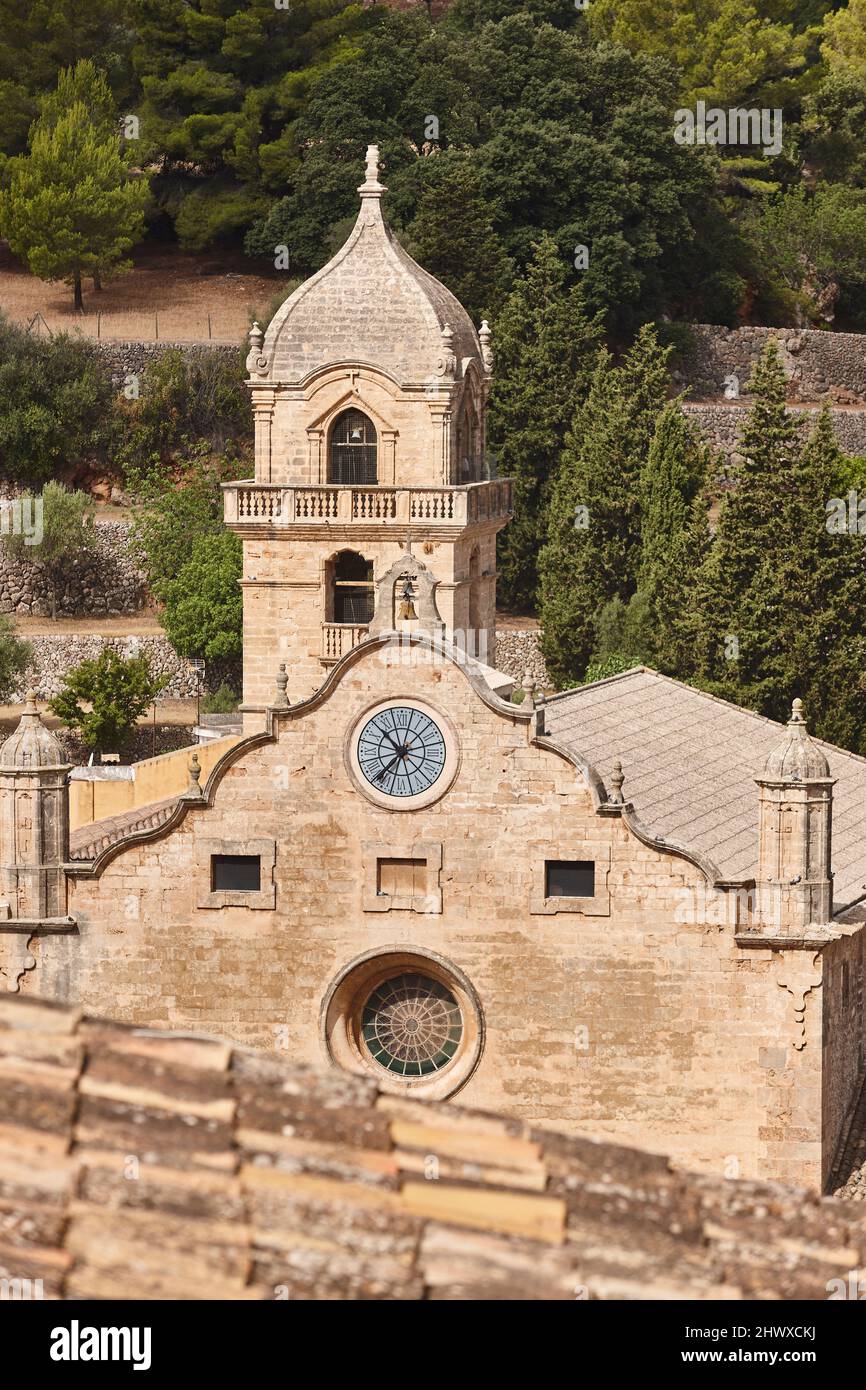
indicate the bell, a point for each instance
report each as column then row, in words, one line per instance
column 406, row 606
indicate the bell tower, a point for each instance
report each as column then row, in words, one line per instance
column 369, row 394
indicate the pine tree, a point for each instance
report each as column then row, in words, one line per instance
column 70, row 208
column 545, row 346
column 592, row 553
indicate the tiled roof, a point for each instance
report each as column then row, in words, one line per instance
column 140, row 1164
column 690, row 761
column 90, row 840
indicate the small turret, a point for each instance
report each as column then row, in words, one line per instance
column 34, row 820
column 795, row 885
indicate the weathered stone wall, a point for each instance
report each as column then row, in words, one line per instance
column 54, row 655
column 821, row 366
column 108, row 581
column 721, row 425
column 630, row 1024
column 123, row 359
column 844, row 1051
column 518, row 654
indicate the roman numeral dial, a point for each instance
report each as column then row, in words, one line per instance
column 401, row 751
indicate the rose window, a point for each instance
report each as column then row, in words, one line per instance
column 411, row 1025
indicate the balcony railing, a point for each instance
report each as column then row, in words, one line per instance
column 271, row 504
column 339, row 638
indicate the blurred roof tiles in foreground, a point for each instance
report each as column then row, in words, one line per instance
column 140, row 1164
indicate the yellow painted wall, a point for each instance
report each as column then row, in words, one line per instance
column 154, row 779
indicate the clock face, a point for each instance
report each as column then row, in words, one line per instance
column 401, row 751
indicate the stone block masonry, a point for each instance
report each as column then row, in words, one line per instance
column 721, row 425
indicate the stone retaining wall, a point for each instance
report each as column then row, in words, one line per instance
column 122, row 359
column 518, row 653
column 721, row 425
column 108, row 582
column 54, row 655
column 822, row 366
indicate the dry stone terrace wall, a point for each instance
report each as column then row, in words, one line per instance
column 822, row 367
column 108, row 582
column 518, row 654
column 53, row 657
column 721, row 425
column 122, row 359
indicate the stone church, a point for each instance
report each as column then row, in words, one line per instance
column 619, row 911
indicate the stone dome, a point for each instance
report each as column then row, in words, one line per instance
column 371, row 304
column 797, row 758
column 31, row 744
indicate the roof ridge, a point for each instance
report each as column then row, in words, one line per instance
column 707, row 695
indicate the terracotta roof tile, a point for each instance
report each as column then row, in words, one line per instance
column 141, row 1164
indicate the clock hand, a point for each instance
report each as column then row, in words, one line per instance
column 380, row 776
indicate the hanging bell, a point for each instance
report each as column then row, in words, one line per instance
column 406, row 606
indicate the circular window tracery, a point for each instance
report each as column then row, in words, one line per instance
column 411, row 1025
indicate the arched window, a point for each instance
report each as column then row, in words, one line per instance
column 352, row 451
column 353, row 588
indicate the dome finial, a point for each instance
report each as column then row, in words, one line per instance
column 797, row 758
column 371, row 187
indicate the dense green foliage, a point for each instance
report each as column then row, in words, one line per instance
column 503, row 120
column 203, row 613
column 545, row 347
column 103, row 698
column 56, row 403
column 593, row 549
column 768, row 605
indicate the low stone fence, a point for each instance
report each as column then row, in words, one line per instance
column 106, row 582
column 518, row 654
column 821, row 365
column 54, row 655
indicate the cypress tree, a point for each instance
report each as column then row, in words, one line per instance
column 592, row 553
column 545, row 346
column 737, row 604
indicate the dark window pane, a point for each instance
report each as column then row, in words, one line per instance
column 569, row 878
column 353, row 605
column 352, row 452
column 236, row 873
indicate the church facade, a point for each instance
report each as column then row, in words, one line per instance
column 624, row 911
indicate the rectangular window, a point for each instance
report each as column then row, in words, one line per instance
column 236, row 873
column 401, row 878
column 569, row 878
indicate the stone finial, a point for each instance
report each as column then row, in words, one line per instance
column 616, row 780
column 282, row 680
column 449, row 360
column 371, row 187
column 257, row 362
column 485, row 337
column 194, row 789
column 527, row 685
column 797, row 758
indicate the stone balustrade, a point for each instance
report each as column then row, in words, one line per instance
column 250, row 504
column 339, row 638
